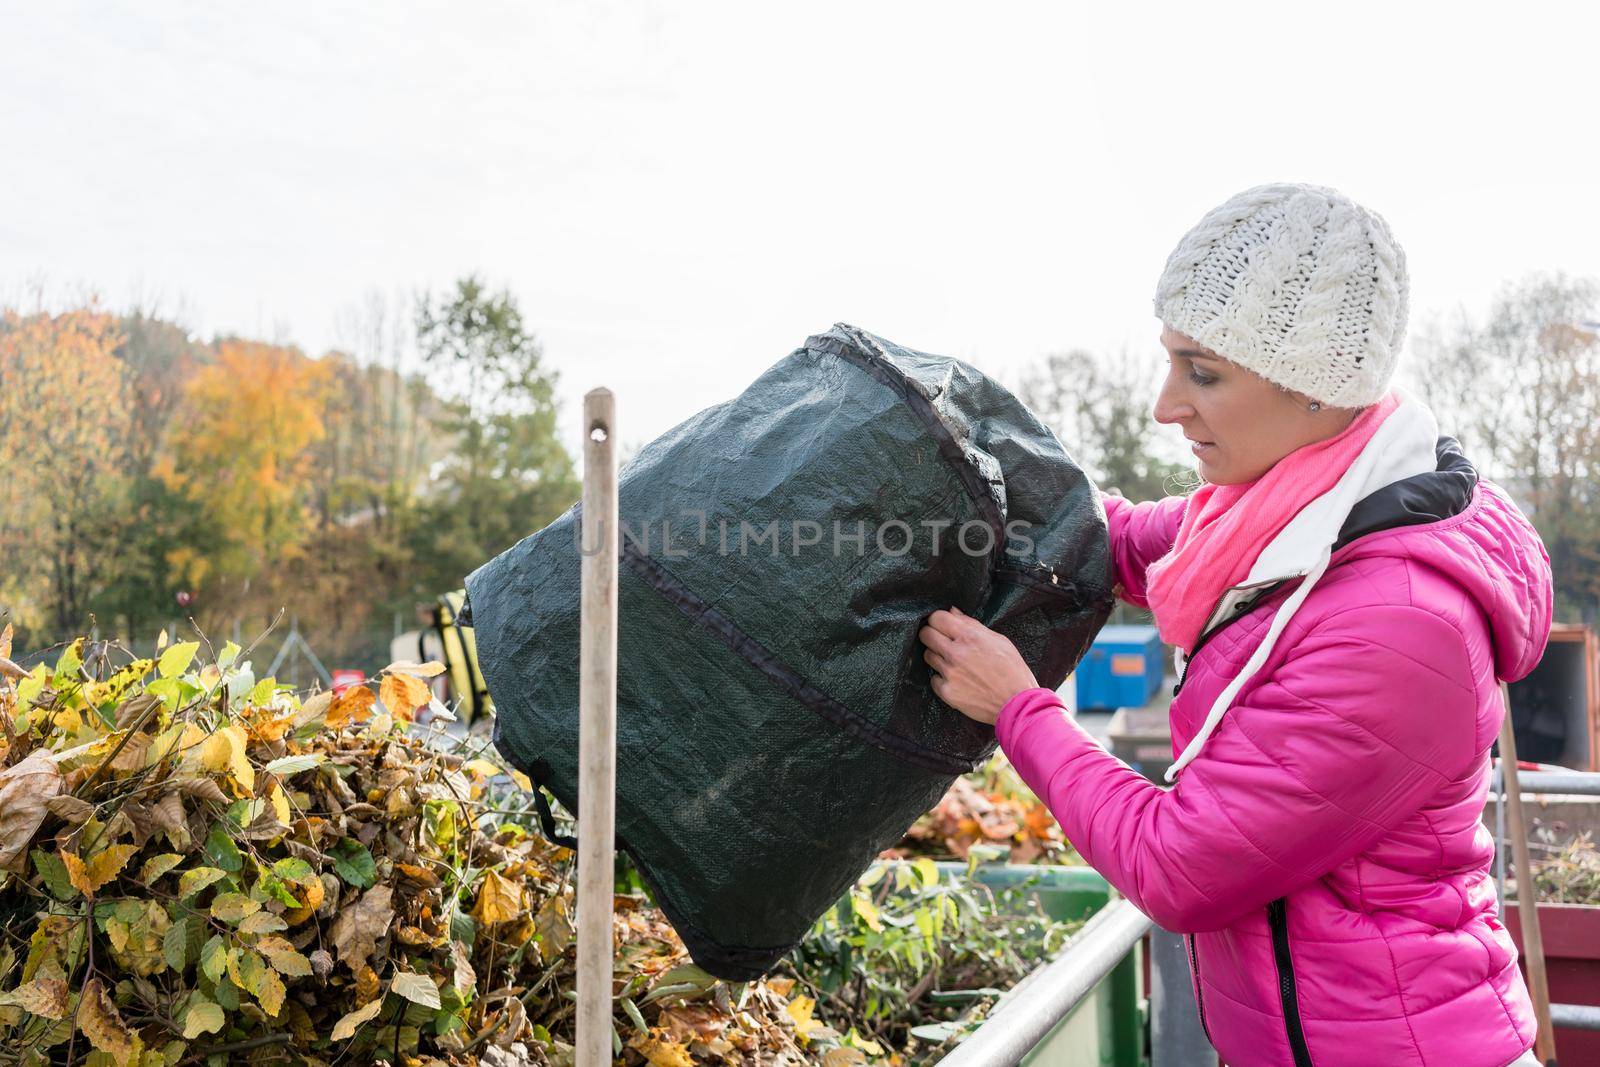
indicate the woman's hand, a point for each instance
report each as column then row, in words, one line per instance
column 975, row 670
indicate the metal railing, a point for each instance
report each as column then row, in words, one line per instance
column 1542, row 783
column 1048, row 995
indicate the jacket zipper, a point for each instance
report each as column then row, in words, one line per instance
column 1199, row 997
column 1278, row 920
column 1244, row 608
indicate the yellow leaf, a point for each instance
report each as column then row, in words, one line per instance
column 87, row 878
column 191, row 882
column 662, row 1051
column 499, row 900
column 46, row 996
column 523, row 781
column 232, row 907
column 224, row 750
column 217, row 752
column 482, row 768
column 283, row 957
column 280, row 805
column 421, row 670
column 182, row 741
column 101, row 1023
column 800, row 1009
column 346, row 1027
column 270, row 992
column 867, row 910
column 156, row 866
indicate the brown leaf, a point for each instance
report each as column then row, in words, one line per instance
column 24, row 791
column 101, row 1023
column 133, row 710
column 356, row 931
column 203, row 788
column 70, row 809
column 314, row 708
column 465, row 979
column 132, row 756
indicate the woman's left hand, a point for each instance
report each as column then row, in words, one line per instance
column 975, row 670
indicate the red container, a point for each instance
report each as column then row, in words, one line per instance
column 1571, row 934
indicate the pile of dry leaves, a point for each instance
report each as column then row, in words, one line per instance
column 993, row 810
column 197, row 866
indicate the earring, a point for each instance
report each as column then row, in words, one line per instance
column 1315, row 407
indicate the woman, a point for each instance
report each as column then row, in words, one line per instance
column 1347, row 595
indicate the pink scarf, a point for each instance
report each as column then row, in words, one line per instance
column 1225, row 527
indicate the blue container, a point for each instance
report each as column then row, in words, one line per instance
column 1122, row 669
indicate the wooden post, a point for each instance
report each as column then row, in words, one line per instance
column 1527, row 892
column 597, row 729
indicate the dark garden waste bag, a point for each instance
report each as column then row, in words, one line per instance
column 775, row 725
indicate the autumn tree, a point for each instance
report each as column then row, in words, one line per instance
column 506, row 474
column 160, row 525
column 243, row 447
column 64, row 434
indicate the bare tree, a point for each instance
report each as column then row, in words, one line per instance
column 1101, row 409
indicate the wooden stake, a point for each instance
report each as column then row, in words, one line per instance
column 597, row 729
column 1527, row 893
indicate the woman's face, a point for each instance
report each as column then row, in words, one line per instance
column 1238, row 423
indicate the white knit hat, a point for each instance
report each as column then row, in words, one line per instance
column 1298, row 283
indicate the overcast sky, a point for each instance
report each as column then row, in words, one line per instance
column 679, row 193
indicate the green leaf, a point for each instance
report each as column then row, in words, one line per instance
column 54, row 873
column 214, row 958
column 294, row 870
column 262, row 693
column 230, row 652
column 183, row 942
column 464, row 928
column 928, row 870
column 175, row 660
column 353, row 863
column 170, row 690
column 220, row 851
column 203, row 1017
column 227, row 994
column 67, row 666
column 286, row 766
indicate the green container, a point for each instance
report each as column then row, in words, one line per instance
column 1106, row 1029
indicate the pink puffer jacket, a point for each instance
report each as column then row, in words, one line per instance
column 1325, row 851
